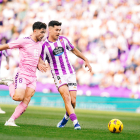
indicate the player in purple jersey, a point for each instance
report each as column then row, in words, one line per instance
column 23, row 88
column 54, row 50
column 7, row 67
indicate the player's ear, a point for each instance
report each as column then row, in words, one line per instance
column 35, row 30
column 50, row 28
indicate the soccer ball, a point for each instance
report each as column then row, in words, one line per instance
column 115, row 126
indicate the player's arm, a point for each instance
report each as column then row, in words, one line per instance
column 41, row 65
column 80, row 55
column 4, row 47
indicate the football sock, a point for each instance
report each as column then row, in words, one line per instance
column 12, row 90
column 66, row 116
column 73, row 118
column 19, row 110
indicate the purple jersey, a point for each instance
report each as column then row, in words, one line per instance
column 3, row 53
column 56, row 55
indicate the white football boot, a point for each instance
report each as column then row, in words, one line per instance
column 2, row 112
column 6, row 81
column 10, row 123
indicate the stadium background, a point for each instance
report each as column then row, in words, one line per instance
column 107, row 32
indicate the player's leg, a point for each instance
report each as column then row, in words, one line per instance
column 29, row 92
column 73, row 98
column 64, row 91
column 15, row 93
column 65, row 119
column 72, row 85
column 10, row 83
column 17, row 90
column 73, row 102
column 21, row 108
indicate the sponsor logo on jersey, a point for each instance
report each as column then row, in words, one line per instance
column 58, row 51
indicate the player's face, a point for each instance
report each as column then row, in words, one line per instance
column 40, row 34
column 55, row 32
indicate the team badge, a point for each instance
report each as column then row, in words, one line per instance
column 47, row 46
column 61, row 40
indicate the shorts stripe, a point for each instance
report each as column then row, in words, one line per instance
column 16, row 80
column 72, row 90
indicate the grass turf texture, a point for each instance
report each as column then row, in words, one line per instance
column 39, row 123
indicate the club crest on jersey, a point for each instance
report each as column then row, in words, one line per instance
column 58, row 51
column 48, row 46
column 61, row 40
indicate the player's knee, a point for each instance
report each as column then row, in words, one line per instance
column 32, row 95
column 17, row 98
column 67, row 98
column 73, row 102
column 27, row 99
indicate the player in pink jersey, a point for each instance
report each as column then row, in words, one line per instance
column 54, row 51
column 25, row 81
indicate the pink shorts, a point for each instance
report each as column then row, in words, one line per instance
column 24, row 81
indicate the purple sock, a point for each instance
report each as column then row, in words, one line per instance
column 73, row 117
column 67, row 113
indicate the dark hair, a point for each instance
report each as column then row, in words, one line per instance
column 39, row 25
column 54, row 23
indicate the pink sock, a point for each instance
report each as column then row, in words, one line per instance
column 12, row 90
column 19, row 110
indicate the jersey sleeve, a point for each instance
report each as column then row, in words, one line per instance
column 69, row 46
column 16, row 43
column 42, row 52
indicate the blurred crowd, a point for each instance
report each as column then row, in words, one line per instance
column 107, row 32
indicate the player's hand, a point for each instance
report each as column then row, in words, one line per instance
column 88, row 65
column 7, row 67
column 42, row 67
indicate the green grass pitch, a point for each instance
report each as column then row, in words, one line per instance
column 39, row 123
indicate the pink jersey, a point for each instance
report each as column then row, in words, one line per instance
column 29, row 52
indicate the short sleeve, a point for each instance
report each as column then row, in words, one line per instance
column 42, row 52
column 69, row 46
column 15, row 44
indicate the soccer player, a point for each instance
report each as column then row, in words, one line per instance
column 25, row 81
column 54, row 51
column 7, row 67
